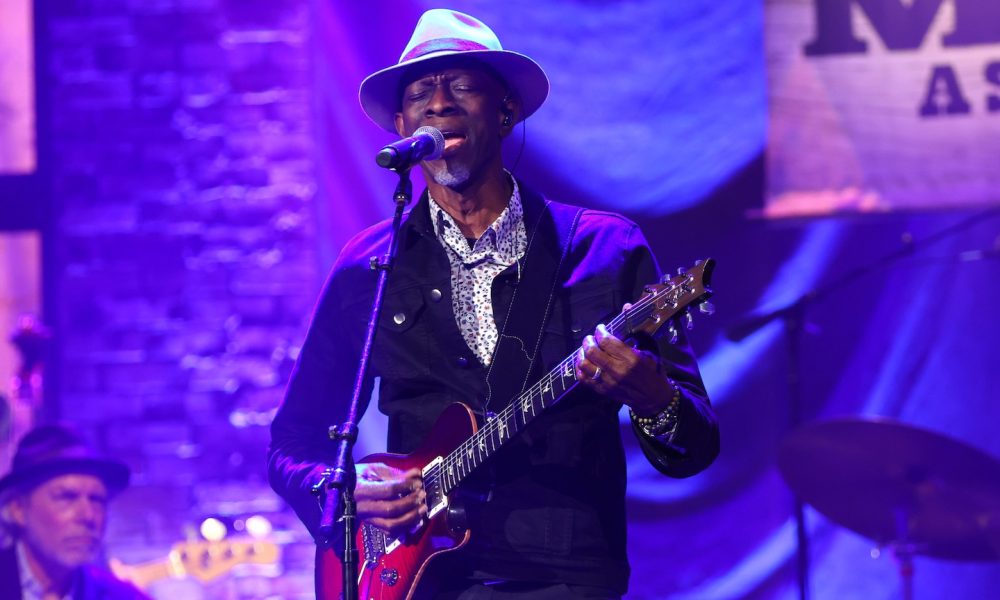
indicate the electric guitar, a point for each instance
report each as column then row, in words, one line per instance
column 389, row 569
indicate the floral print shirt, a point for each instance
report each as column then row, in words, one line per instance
column 474, row 264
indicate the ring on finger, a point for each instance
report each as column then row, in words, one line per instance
column 597, row 375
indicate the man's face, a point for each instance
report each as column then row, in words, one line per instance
column 465, row 102
column 62, row 520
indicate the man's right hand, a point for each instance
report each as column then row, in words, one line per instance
column 389, row 498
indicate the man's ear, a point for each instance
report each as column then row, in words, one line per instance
column 398, row 121
column 509, row 111
column 13, row 511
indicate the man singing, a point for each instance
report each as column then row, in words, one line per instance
column 486, row 264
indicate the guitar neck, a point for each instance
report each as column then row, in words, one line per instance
column 145, row 573
column 649, row 313
column 501, row 428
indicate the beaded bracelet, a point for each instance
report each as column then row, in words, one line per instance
column 662, row 425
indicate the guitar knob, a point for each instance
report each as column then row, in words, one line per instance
column 389, row 576
column 673, row 333
column 688, row 320
column 707, row 308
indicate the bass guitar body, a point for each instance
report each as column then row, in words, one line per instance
column 390, row 569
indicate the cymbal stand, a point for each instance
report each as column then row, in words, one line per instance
column 793, row 315
column 903, row 551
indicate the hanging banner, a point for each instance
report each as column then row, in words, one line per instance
column 882, row 105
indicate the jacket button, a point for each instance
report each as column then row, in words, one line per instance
column 436, row 295
column 462, row 361
column 399, row 318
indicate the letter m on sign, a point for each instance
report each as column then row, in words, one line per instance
column 901, row 24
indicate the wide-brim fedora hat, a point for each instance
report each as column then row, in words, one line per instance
column 49, row 451
column 442, row 34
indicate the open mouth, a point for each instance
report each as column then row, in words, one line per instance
column 452, row 139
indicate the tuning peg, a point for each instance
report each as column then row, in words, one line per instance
column 681, row 270
column 698, row 262
column 688, row 320
column 707, row 308
column 673, row 333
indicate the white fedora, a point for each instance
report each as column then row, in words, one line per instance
column 442, row 33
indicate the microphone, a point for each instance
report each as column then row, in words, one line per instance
column 426, row 143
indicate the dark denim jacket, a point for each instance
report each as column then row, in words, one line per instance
column 555, row 509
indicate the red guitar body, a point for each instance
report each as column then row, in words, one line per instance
column 394, row 575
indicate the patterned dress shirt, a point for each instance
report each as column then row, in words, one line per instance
column 475, row 264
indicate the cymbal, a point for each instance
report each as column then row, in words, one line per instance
column 898, row 484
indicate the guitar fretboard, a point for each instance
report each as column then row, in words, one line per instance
column 651, row 311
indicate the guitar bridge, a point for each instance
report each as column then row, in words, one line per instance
column 373, row 542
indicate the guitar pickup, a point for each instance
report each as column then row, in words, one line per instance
column 436, row 501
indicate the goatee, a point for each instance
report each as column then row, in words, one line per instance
column 452, row 176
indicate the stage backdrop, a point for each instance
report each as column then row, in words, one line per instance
column 209, row 159
column 882, row 105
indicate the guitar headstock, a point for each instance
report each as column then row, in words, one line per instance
column 206, row 561
column 663, row 301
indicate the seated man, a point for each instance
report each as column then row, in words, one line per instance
column 54, row 502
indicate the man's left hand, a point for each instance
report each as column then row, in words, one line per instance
column 630, row 376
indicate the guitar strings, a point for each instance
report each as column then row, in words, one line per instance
column 453, row 460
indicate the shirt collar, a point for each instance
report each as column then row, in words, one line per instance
column 498, row 241
column 31, row 588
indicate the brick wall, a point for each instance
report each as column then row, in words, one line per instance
column 185, row 262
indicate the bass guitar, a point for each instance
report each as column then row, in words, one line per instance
column 204, row 561
column 389, row 569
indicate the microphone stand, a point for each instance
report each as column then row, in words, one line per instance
column 338, row 504
column 793, row 315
